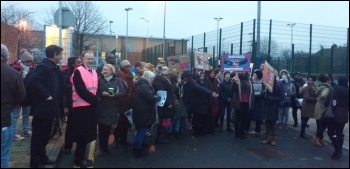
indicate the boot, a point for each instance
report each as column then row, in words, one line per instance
column 273, row 142
column 317, row 141
column 337, row 143
column 267, row 140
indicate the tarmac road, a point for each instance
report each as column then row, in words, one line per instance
column 222, row 151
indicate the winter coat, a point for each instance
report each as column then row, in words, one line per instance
column 12, row 92
column 309, row 102
column 190, row 88
column 84, row 121
column 162, row 83
column 46, row 81
column 126, row 101
column 107, row 108
column 201, row 104
column 322, row 93
column 272, row 103
column 236, row 92
column 341, row 109
column 225, row 94
column 144, row 104
column 67, row 89
column 288, row 88
column 257, row 110
column 214, row 100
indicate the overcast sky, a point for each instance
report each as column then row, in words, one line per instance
column 187, row 18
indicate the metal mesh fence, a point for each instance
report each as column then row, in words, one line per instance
column 306, row 48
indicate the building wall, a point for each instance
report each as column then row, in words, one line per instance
column 9, row 37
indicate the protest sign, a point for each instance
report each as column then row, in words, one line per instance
column 268, row 76
column 235, row 62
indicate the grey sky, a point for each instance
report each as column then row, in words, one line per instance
column 187, row 18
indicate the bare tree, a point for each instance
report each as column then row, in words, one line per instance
column 264, row 47
column 23, row 19
column 88, row 22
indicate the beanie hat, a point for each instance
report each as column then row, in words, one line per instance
column 25, row 56
column 124, row 63
column 164, row 71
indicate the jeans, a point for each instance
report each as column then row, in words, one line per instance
column 6, row 140
column 25, row 118
column 139, row 138
column 175, row 127
column 183, row 123
column 283, row 116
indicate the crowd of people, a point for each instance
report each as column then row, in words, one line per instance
column 94, row 103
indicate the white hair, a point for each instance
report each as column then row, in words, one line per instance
column 4, row 52
column 148, row 75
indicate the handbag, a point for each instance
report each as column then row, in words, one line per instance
column 328, row 112
column 166, row 122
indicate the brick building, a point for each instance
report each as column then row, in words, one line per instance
column 9, row 37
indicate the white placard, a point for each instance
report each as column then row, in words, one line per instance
column 162, row 94
column 128, row 115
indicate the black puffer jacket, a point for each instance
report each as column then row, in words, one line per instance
column 107, row 108
column 341, row 110
column 144, row 104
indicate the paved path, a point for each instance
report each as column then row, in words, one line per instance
column 20, row 150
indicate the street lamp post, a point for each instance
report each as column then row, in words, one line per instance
column 127, row 24
column 291, row 33
column 110, row 36
column 217, row 36
column 164, row 32
column 147, row 31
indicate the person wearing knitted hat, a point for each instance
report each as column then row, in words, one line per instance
column 24, row 65
column 139, row 68
column 125, row 104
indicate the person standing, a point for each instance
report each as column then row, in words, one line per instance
column 84, row 129
column 144, row 110
column 162, row 82
column 225, row 97
column 272, row 100
column 341, row 116
column 242, row 101
column 322, row 93
column 308, row 104
column 24, row 66
column 110, row 59
column 46, row 84
column 121, row 131
column 12, row 93
column 256, row 114
column 289, row 90
column 73, row 62
column 110, row 88
column 298, row 83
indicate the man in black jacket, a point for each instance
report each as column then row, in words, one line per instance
column 12, row 93
column 46, row 84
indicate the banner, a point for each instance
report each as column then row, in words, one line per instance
column 235, row 62
column 201, row 60
column 268, row 76
column 179, row 63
